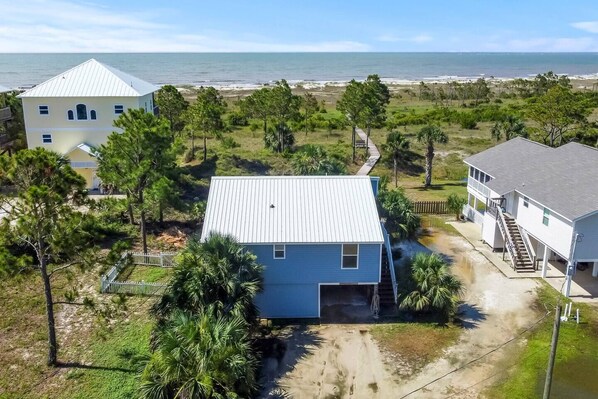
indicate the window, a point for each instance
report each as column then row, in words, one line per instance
column 350, row 256
column 482, row 177
column 92, row 114
column 526, row 202
column 471, row 171
column 81, row 112
column 70, row 114
column 477, row 175
column 546, row 217
column 44, row 110
column 487, row 179
column 279, row 251
column 47, row 138
column 119, row 109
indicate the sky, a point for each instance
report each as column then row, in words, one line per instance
column 32, row 26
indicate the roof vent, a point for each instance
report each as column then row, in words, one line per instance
column 272, row 206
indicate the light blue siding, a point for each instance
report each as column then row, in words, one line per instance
column 375, row 184
column 587, row 248
column 289, row 301
column 291, row 284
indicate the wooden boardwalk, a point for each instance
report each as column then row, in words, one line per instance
column 372, row 150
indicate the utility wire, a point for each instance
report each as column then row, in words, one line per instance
column 499, row 373
column 479, row 357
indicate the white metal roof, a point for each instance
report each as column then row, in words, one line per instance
column 92, row 79
column 293, row 209
column 86, row 148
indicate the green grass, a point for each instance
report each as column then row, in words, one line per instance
column 415, row 344
column 149, row 274
column 250, row 157
column 111, row 375
column 577, row 357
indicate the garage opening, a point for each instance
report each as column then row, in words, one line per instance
column 345, row 303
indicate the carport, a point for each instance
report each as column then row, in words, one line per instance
column 345, row 303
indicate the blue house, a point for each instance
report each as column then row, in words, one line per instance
column 310, row 233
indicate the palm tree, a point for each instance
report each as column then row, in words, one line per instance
column 435, row 287
column 314, row 160
column 396, row 143
column 429, row 135
column 218, row 273
column 200, row 357
column 400, row 215
column 510, row 127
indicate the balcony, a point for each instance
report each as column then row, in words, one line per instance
column 80, row 165
column 5, row 114
column 478, row 186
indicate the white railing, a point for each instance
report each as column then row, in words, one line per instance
column 162, row 259
column 478, row 186
column 506, row 237
column 528, row 246
column 88, row 164
column 391, row 265
column 109, row 284
column 473, row 215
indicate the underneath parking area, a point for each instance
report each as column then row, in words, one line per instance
column 346, row 303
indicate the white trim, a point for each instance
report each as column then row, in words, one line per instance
column 51, row 138
column 39, row 111
column 343, row 256
column 320, row 291
column 284, row 250
column 74, row 129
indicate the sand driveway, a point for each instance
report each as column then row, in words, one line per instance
column 343, row 361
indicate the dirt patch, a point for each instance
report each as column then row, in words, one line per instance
column 329, row 361
column 344, row 361
column 494, row 310
column 410, row 346
column 174, row 236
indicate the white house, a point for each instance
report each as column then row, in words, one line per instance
column 537, row 203
column 73, row 112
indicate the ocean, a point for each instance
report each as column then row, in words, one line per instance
column 239, row 70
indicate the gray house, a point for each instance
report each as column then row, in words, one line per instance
column 310, row 232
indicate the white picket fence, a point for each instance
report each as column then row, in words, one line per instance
column 108, row 283
column 163, row 259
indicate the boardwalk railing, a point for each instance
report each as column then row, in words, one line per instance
column 431, row 207
column 109, row 284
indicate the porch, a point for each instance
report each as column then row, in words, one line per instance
column 584, row 287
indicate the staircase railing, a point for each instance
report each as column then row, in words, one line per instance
column 506, row 236
column 391, row 265
column 528, row 246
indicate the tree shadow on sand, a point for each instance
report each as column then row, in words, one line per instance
column 469, row 316
column 281, row 353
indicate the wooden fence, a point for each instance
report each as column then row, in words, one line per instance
column 431, row 207
column 109, row 284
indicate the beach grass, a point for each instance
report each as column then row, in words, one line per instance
column 577, row 354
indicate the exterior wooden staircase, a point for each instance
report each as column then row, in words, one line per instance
column 520, row 257
column 385, row 290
